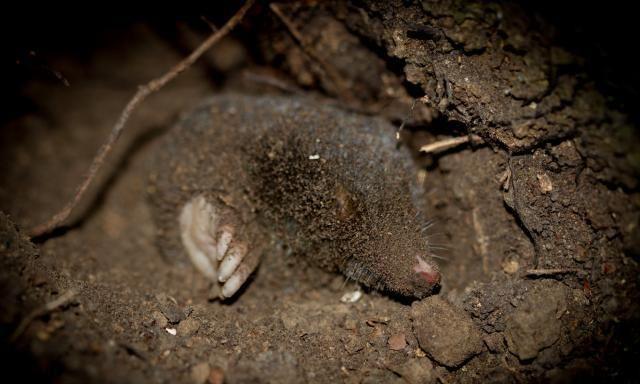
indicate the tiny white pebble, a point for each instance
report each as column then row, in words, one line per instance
column 466, row 79
column 351, row 297
column 314, row 157
column 172, row 331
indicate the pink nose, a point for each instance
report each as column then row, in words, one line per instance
column 427, row 271
column 432, row 278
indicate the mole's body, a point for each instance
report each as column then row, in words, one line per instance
column 332, row 185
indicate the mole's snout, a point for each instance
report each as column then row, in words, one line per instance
column 427, row 273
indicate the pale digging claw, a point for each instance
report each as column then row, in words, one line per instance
column 233, row 284
column 231, row 261
column 188, row 229
column 226, row 234
column 201, row 235
column 212, row 248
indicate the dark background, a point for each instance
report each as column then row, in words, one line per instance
column 604, row 33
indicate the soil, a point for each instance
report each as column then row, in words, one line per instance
column 538, row 216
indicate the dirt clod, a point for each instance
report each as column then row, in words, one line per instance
column 536, row 324
column 170, row 309
column 446, row 333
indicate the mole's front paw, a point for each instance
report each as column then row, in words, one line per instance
column 214, row 247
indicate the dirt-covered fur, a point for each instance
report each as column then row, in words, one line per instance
column 333, row 185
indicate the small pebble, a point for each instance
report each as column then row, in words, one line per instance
column 351, row 297
column 510, row 266
column 171, row 331
column 546, row 185
column 397, row 342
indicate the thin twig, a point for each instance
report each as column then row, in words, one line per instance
column 445, row 144
column 550, row 272
column 209, row 23
column 143, row 91
column 41, row 311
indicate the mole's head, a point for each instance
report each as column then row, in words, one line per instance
column 388, row 249
column 398, row 274
column 409, row 275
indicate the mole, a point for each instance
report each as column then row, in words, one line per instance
column 241, row 173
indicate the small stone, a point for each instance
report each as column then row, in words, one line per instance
column 445, row 332
column 188, row 327
column 397, row 342
column 200, row 372
column 351, row 297
column 545, row 183
column 171, row 331
column 510, row 266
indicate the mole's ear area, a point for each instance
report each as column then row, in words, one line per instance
column 346, row 204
